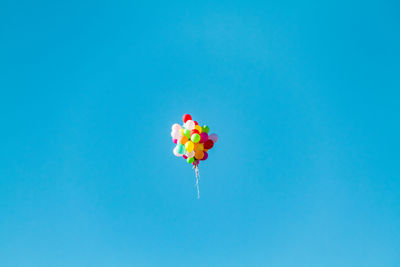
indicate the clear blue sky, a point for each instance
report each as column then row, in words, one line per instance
column 305, row 99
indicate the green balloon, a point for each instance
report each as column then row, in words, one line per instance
column 205, row 128
column 190, row 160
column 195, row 138
column 186, row 132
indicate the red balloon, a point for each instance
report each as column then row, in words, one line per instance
column 208, row 144
column 194, row 131
column 186, row 117
column 184, row 156
column 195, row 123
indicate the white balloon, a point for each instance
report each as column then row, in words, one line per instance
column 190, row 155
column 176, row 127
column 176, row 152
column 176, row 134
column 213, row 137
column 190, row 125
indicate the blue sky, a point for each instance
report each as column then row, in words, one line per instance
column 305, row 99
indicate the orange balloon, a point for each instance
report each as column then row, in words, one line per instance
column 184, row 139
column 199, row 154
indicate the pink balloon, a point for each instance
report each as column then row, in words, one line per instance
column 203, row 137
column 175, row 140
column 176, row 127
column 184, row 156
column 213, row 137
column 176, row 134
column 205, row 156
column 189, row 125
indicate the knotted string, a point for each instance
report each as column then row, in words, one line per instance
column 196, row 170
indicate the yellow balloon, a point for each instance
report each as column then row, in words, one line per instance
column 199, row 154
column 181, row 130
column 198, row 128
column 189, row 146
column 183, row 140
column 200, row 146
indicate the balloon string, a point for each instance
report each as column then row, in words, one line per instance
column 196, row 170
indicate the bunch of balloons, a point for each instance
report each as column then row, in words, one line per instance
column 192, row 140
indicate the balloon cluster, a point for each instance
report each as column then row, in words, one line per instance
column 192, row 140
